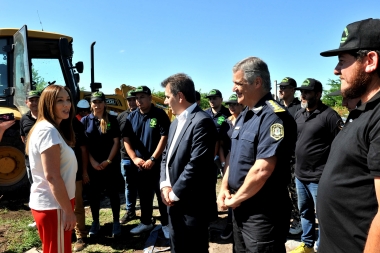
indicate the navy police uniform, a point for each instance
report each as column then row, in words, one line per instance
column 144, row 132
column 261, row 223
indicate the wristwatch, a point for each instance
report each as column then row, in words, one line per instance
column 109, row 161
column 152, row 159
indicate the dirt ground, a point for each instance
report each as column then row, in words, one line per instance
column 17, row 209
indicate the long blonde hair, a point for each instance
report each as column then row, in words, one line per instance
column 46, row 107
column 104, row 121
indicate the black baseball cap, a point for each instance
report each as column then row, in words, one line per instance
column 232, row 99
column 288, row 81
column 214, row 93
column 33, row 94
column 311, row 84
column 364, row 34
column 335, row 93
column 129, row 94
column 98, row 95
column 141, row 89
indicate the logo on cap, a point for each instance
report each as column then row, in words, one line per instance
column 344, row 35
column 153, row 123
column 212, row 92
column 97, row 94
column 306, row 82
column 33, row 93
column 139, row 89
column 285, row 80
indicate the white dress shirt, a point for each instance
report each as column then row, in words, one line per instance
column 181, row 122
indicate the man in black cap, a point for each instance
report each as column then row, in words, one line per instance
column 129, row 174
column 27, row 122
column 287, row 88
column 317, row 126
column 286, row 95
column 219, row 114
column 145, row 135
column 349, row 192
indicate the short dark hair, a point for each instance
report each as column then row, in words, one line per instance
column 360, row 54
column 197, row 96
column 181, row 83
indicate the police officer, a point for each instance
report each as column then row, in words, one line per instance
column 145, row 135
column 130, row 175
column 255, row 183
column 349, row 189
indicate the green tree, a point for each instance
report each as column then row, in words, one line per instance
column 332, row 101
column 39, row 81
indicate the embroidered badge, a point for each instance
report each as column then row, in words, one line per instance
column 277, row 131
column 221, row 119
column 153, row 123
column 108, row 126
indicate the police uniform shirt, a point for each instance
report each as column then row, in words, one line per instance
column 265, row 131
column 26, row 123
column 100, row 144
column 293, row 107
column 219, row 117
column 145, row 131
column 347, row 200
column 315, row 133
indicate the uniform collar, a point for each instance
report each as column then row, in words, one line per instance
column 259, row 105
column 371, row 103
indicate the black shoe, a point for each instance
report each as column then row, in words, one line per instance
column 227, row 232
column 128, row 216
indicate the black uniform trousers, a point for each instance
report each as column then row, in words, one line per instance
column 262, row 226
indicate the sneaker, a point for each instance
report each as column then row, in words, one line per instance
column 95, row 227
column 141, row 228
column 296, row 229
column 128, row 216
column 32, row 225
column 166, row 231
column 227, row 232
column 302, row 248
column 79, row 245
column 116, row 230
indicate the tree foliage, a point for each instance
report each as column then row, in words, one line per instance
column 39, row 81
column 332, row 101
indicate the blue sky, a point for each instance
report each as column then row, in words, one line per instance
column 143, row 42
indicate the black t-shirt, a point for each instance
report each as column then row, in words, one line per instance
column 122, row 118
column 293, row 107
column 26, row 123
column 219, row 118
column 146, row 130
column 315, row 133
column 347, row 200
column 80, row 140
column 100, row 144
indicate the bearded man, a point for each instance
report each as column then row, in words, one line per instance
column 317, row 126
column 349, row 191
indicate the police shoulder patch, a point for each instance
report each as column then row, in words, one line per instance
column 274, row 106
column 277, row 131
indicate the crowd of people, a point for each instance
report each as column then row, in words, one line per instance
column 284, row 163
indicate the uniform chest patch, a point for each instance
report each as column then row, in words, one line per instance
column 153, row 123
column 277, row 131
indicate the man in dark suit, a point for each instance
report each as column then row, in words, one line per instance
column 187, row 169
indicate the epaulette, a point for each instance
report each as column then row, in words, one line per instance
column 274, row 106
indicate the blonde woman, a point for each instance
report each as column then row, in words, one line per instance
column 102, row 133
column 53, row 166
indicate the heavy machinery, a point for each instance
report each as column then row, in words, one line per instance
column 27, row 58
column 116, row 102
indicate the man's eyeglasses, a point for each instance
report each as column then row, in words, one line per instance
column 284, row 87
column 212, row 98
column 232, row 105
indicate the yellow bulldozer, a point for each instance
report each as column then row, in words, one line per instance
column 23, row 54
column 116, row 102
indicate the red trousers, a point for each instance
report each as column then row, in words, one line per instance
column 50, row 228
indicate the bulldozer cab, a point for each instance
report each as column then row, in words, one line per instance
column 29, row 60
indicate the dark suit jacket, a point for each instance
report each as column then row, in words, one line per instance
column 191, row 168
